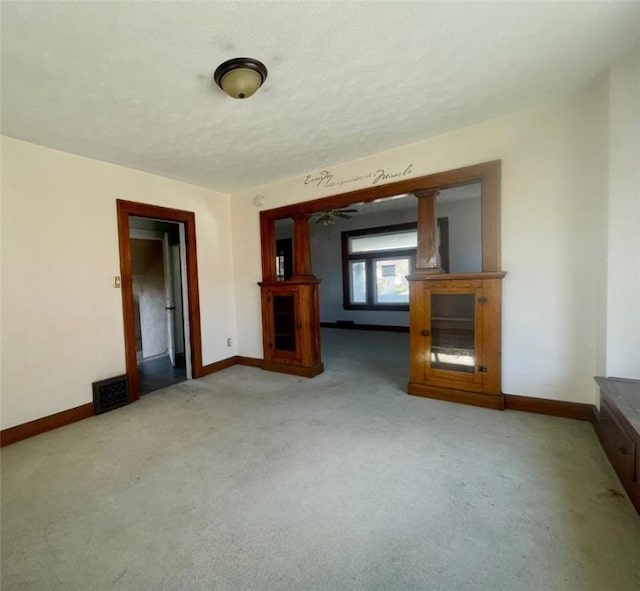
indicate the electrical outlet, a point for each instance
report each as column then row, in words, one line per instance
column 228, row 342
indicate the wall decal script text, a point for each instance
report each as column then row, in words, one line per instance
column 325, row 178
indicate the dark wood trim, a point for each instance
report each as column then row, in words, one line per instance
column 451, row 395
column 491, row 259
column 218, row 365
column 439, row 180
column 443, row 227
column 389, row 229
column 301, row 248
column 44, row 424
column 292, row 281
column 65, row 417
column 617, row 425
column 488, row 173
column 130, row 208
column 268, row 247
column 231, row 361
column 249, row 361
column 555, row 408
column 427, row 251
column 293, row 369
column 356, row 326
column 378, row 307
column 616, row 393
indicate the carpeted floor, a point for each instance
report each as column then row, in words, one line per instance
column 251, row 480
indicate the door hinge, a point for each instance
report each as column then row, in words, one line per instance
column 482, row 300
column 482, row 368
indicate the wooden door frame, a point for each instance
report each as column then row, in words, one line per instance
column 125, row 209
column 488, row 173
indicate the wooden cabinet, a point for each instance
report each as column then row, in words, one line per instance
column 291, row 330
column 617, row 424
column 455, row 337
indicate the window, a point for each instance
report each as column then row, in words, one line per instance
column 376, row 262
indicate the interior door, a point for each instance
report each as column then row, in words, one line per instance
column 176, row 278
column 169, row 298
column 184, row 283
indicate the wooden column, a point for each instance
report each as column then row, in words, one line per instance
column 268, row 247
column 427, row 251
column 302, row 248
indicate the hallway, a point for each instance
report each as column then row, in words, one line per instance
column 157, row 373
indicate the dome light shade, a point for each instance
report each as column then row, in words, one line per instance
column 240, row 77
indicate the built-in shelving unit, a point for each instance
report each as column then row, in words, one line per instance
column 290, row 327
column 455, row 337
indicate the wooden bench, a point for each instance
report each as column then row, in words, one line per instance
column 618, row 427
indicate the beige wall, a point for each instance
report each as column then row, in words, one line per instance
column 623, row 274
column 554, row 188
column 61, row 318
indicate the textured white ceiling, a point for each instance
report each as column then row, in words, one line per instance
column 130, row 82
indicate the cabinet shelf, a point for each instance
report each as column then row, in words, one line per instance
column 452, row 318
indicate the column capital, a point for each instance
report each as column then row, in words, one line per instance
column 303, row 215
column 419, row 193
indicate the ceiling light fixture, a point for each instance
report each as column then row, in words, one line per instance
column 240, row 77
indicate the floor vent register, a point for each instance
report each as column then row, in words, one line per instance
column 110, row 394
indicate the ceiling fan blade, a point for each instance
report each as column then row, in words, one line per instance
column 347, row 210
column 345, row 216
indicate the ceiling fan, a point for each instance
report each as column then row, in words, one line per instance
column 329, row 217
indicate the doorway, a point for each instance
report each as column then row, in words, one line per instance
column 370, row 287
column 160, row 300
column 363, row 259
column 161, row 318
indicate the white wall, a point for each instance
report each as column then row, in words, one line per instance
column 623, row 273
column 554, row 188
column 62, row 319
column 465, row 234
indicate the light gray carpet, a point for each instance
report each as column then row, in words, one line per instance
column 250, row 480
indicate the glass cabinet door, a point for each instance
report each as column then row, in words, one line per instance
column 453, row 332
column 284, row 323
